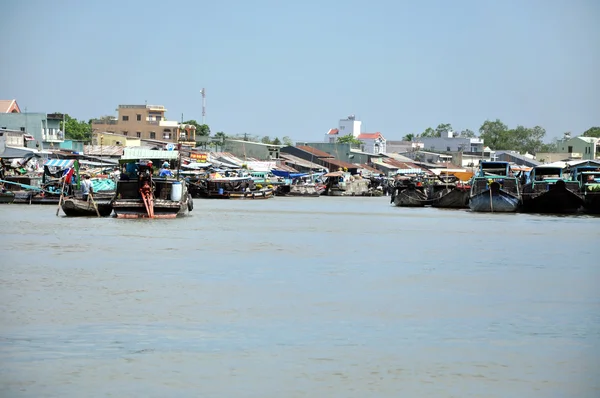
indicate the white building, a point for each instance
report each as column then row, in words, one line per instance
column 346, row 126
column 452, row 143
column 373, row 143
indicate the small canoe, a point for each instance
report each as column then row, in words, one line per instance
column 74, row 207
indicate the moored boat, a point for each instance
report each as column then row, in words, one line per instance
column 75, row 207
column 409, row 193
column 140, row 194
column 494, row 189
column 453, row 197
column 7, row 196
column 548, row 191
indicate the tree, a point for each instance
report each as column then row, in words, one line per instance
column 276, row 141
column 429, row 133
column 528, row 140
column 592, row 132
column 443, row 129
column 201, row 129
column 495, row 134
column 265, row 140
column 408, row 137
column 349, row 139
column 220, row 135
column 467, row 134
column 76, row 129
column 287, row 141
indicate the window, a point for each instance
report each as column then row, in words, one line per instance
column 125, row 133
column 152, row 135
column 22, row 128
column 125, row 118
column 570, row 149
column 448, row 149
column 166, row 136
column 138, row 134
column 138, row 117
column 158, row 118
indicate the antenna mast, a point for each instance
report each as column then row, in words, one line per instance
column 203, row 92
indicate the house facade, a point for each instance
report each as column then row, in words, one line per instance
column 43, row 129
column 114, row 139
column 373, row 143
column 248, row 149
column 345, row 126
column 584, row 148
column 9, row 106
column 146, row 122
column 452, row 144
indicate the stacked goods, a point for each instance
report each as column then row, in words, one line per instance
column 104, row 184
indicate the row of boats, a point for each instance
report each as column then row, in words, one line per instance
column 496, row 188
column 137, row 191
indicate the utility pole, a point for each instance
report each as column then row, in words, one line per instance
column 203, row 92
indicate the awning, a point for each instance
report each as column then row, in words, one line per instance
column 287, row 174
column 62, row 163
column 409, row 171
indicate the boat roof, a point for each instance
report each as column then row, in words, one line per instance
column 62, row 163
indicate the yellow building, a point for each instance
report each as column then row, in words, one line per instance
column 145, row 122
column 104, row 138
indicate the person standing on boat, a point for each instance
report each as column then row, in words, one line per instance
column 86, row 187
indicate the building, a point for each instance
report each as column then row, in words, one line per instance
column 450, row 143
column 516, row 158
column 346, row 126
column 9, row 106
column 584, row 148
column 373, row 143
column 402, row 146
column 99, row 138
column 248, row 149
column 344, row 152
column 42, row 129
column 146, row 122
column 322, row 158
column 15, row 139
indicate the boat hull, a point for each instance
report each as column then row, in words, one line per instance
column 452, row 198
column 494, row 202
column 591, row 202
column 410, row 198
column 135, row 208
column 7, row 197
column 558, row 199
column 73, row 207
column 254, row 195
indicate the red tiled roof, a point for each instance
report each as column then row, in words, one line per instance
column 369, row 136
column 333, row 131
column 314, row 151
column 399, row 164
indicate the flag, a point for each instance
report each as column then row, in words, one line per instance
column 68, row 175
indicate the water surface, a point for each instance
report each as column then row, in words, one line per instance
column 299, row 297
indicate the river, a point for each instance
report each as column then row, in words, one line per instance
column 299, row 297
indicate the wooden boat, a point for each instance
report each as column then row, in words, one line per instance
column 410, row 193
column 494, row 189
column 549, row 192
column 218, row 187
column 591, row 191
column 452, row 197
column 7, row 197
column 75, row 207
column 306, row 190
column 340, row 183
column 141, row 195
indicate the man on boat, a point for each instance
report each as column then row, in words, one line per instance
column 164, row 171
column 86, row 187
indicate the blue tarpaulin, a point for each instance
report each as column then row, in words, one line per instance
column 287, row 174
column 62, row 163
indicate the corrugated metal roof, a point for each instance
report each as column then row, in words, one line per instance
column 103, row 150
column 314, row 151
column 299, row 161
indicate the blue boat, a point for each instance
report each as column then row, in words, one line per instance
column 495, row 189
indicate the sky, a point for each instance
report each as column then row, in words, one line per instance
column 295, row 68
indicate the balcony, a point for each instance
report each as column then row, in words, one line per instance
column 53, row 137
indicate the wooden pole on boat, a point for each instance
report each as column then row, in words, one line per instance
column 90, row 196
column 62, row 194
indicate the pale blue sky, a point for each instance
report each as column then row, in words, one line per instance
column 296, row 67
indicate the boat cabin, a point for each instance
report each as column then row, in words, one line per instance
column 498, row 169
